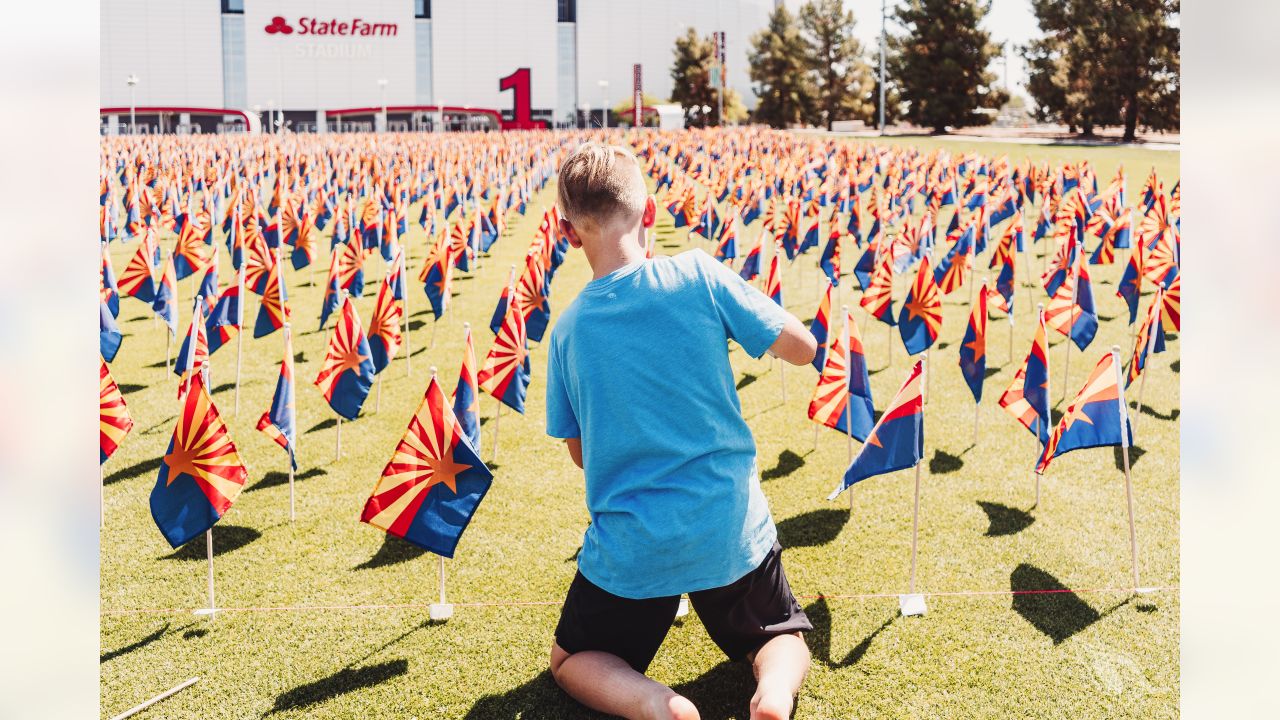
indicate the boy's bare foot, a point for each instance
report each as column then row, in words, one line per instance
column 674, row 707
column 771, row 703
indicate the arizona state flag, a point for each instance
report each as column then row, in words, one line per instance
column 1172, row 312
column 108, row 287
column 505, row 374
column 951, row 271
column 138, row 279
column 384, row 326
column 224, row 319
column 347, row 372
column 200, row 474
column 332, row 288
column 466, row 396
column 897, row 440
column 878, row 299
column 434, row 481
column 973, row 350
column 773, row 282
column 751, row 263
column 1097, row 417
column 842, row 398
column 727, row 248
column 273, row 311
column 114, row 421
column 351, row 268
column 1027, row 398
column 280, row 422
column 1150, row 338
column 109, row 335
column 194, row 352
column 165, row 304
column 1071, row 311
column 818, row 328
column 830, row 259
column 920, row 319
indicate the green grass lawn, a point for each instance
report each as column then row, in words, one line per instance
column 362, row 647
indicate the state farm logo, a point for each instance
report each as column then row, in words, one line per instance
column 278, row 25
column 356, row 27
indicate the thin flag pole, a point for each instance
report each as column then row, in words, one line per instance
column 1151, row 346
column 1128, row 483
column 167, row 693
column 1071, row 322
column 288, row 343
column 497, row 420
column 442, row 594
column 208, row 546
column 404, row 281
column 915, row 528
column 848, row 394
column 337, row 451
column 239, row 332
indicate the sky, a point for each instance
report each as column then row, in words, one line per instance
column 1009, row 21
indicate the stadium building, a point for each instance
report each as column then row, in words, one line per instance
column 332, row 65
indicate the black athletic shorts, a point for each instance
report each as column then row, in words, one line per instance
column 740, row 617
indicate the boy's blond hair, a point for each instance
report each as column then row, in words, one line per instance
column 601, row 185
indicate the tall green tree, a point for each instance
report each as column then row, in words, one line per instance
column 691, row 77
column 1106, row 62
column 780, row 69
column 942, row 64
column 842, row 79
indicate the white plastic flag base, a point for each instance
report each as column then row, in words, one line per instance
column 1145, row 590
column 205, row 611
column 440, row 611
column 912, row 604
column 683, row 608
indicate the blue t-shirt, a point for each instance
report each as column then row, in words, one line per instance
column 639, row 369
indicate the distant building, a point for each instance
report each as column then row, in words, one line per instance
column 321, row 60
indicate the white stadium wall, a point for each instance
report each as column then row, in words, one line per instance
column 173, row 46
column 329, row 54
column 477, row 42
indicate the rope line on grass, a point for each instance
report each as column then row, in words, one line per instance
column 548, row 603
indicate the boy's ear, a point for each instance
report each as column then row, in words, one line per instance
column 650, row 213
column 567, row 229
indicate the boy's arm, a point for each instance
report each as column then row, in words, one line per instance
column 795, row 343
column 575, row 450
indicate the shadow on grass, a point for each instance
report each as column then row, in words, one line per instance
column 223, row 387
column 275, row 478
column 323, row 425
column 788, row 462
column 161, row 425
column 128, row 388
column 1005, row 520
column 1135, row 452
column 342, row 682
column 1058, row 614
column 812, row 529
column 944, row 462
column 138, row 468
column 1176, row 366
column 393, row 551
column 417, row 324
column 1148, row 410
column 746, row 380
column 300, row 357
column 943, row 345
column 113, row 654
column 536, row 699
column 226, row 538
column 989, row 372
column 820, row 639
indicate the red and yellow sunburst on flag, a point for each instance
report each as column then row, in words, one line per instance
column 434, row 481
column 114, row 422
column 384, row 327
column 831, row 394
column 351, row 263
column 878, row 299
column 138, row 278
column 1173, row 305
column 200, row 474
column 505, row 373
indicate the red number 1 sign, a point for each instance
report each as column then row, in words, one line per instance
column 521, row 111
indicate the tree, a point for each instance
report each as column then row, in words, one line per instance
column 1106, row 62
column 691, row 77
column 941, row 64
column 843, row 79
column 779, row 60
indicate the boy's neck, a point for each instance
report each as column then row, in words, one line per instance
column 611, row 254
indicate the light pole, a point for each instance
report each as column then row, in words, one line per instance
column 882, row 41
column 132, row 81
column 382, row 89
column 604, row 109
